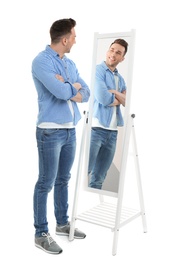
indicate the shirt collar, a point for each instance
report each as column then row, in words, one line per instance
column 52, row 52
column 107, row 68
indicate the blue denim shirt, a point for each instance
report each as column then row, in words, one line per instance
column 104, row 81
column 54, row 94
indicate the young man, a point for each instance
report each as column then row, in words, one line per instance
column 59, row 88
column 110, row 93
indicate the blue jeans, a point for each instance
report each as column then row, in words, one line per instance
column 56, row 150
column 102, row 150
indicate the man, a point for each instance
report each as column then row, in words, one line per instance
column 59, row 88
column 109, row 93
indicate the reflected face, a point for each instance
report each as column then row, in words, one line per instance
column 114, row 56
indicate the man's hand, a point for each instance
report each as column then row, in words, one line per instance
column 59, row 77
column 77, row 85
column 121, row 97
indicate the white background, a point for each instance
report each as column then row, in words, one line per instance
column 24, row 29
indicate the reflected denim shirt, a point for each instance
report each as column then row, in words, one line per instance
column 104, row 80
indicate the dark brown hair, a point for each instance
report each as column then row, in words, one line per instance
column 122, row 43
column 60, row 28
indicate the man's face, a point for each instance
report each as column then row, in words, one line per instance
column 114, row 55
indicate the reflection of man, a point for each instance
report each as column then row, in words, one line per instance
column 109, row 93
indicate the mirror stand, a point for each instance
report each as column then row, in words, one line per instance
column 106, row 214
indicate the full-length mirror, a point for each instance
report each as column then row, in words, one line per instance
column 108, row 108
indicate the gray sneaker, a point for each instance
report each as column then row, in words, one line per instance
column 65, row 230
column 47, row 243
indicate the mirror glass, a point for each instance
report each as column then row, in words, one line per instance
column 110, row 184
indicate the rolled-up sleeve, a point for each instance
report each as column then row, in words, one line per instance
column 84, row 91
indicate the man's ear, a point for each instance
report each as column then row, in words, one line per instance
column 64, row 41
column 123, row 58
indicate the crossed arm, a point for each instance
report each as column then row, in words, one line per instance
column 78, row 97
column 120, row 97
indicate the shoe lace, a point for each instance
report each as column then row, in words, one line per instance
column 48, row 236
